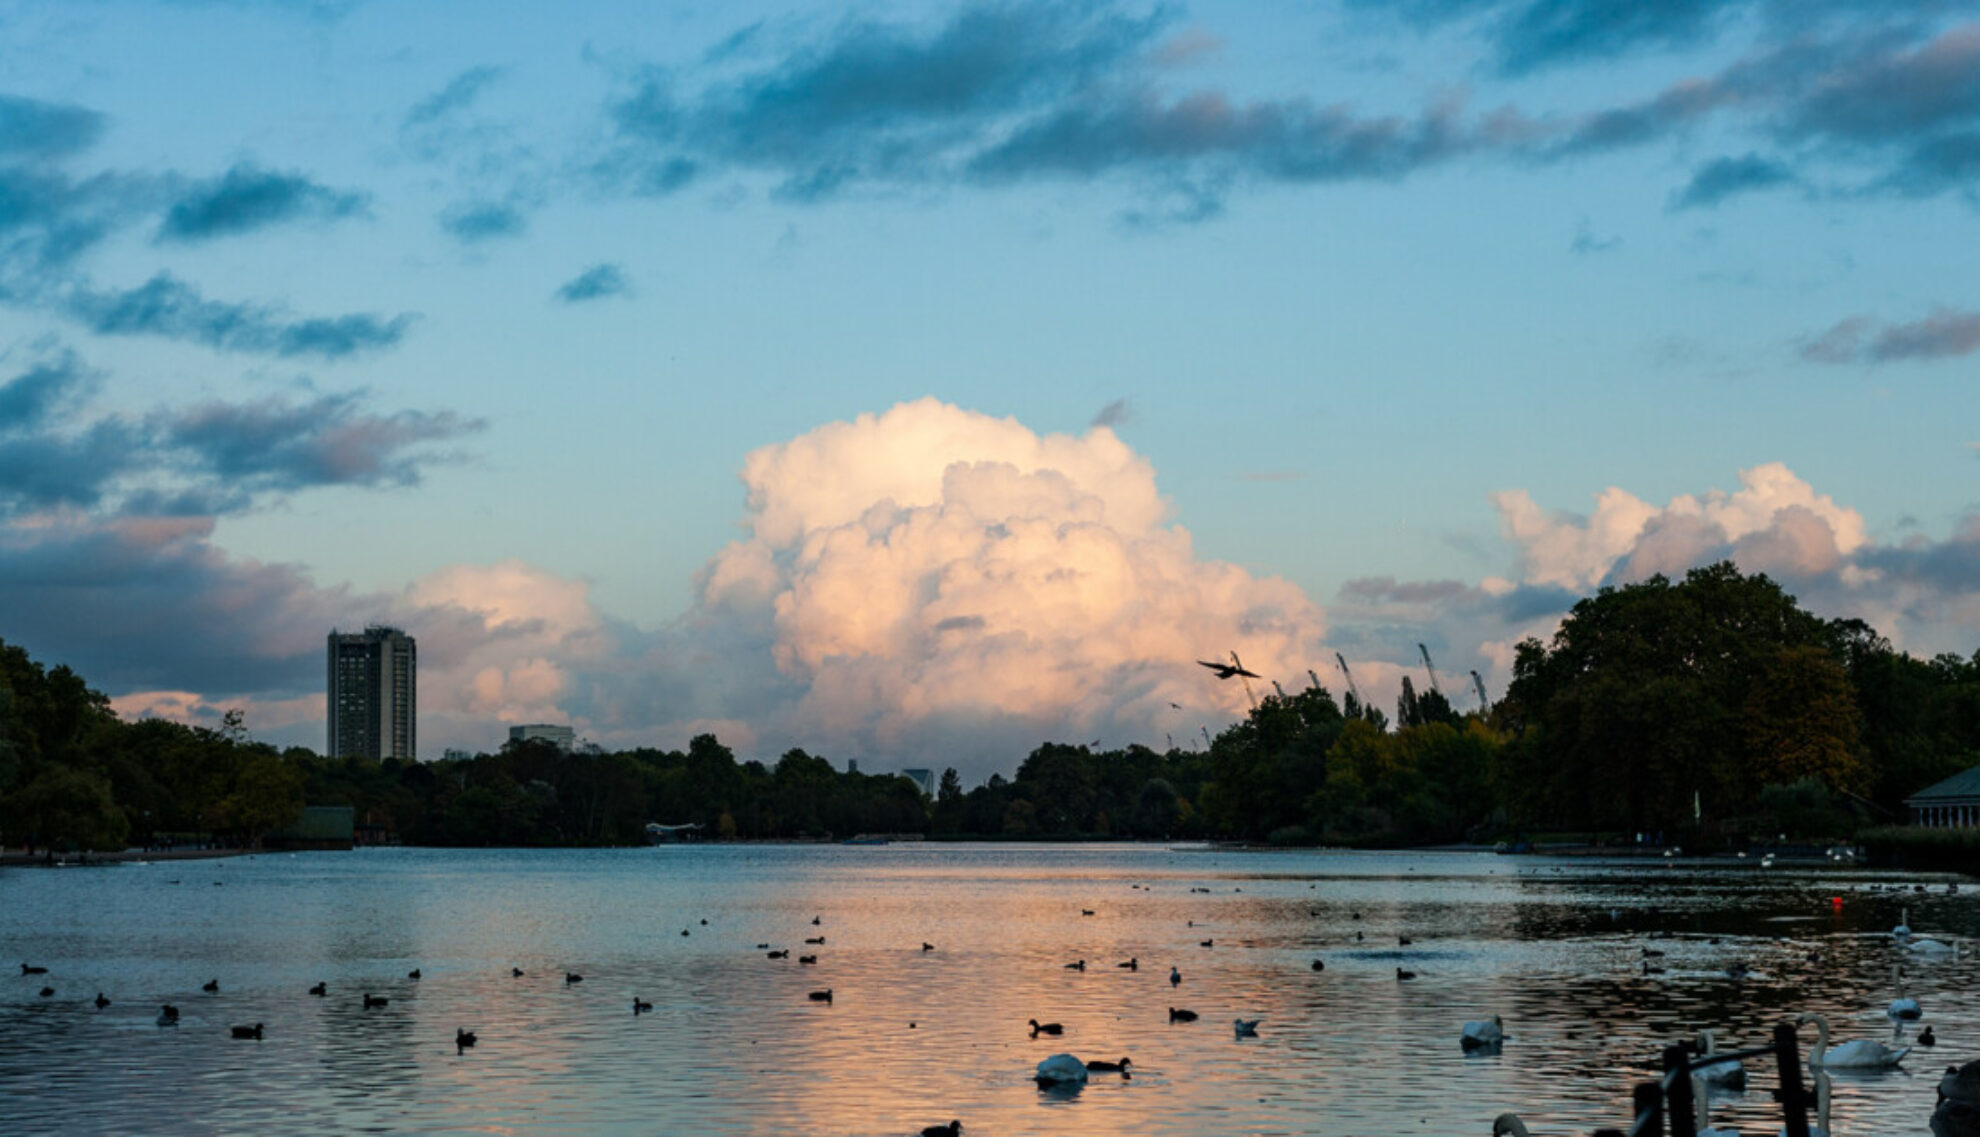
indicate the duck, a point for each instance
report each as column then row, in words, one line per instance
column 320, row 989
column 1402, row 976
column 253, row 1032
column 31, row 969
column 1730, row 1074
column 824, row 996
column 931, row 947
column 807, row 959
column 1181, row 1016
column 784, row 954
column 211, row 986
column 641, row 1006
column 371, row 1000
column 1404, row 941
column 48, row 992
column 1903, row 1007
column 1319, row 965
column 101, row 1001
column 413, row 974
column 1859, row 1054
column 1077, row 965
column 1061, row 1070
column 1927, row 1038
column 463, row 1039
column 1086, row 911
column 1246, row 1028
column 1483, row 1034
column 1038, row 1028
column 1105, row 1067
column 515, row 972
column 571, row 977
column 1651, row 969
column 952, row 1129
column 168, row 1015
column 1208, row 943
column 816, row 940
column 1175, row 977
column 1131, row 964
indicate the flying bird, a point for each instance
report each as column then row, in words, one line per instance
column 1229, row 670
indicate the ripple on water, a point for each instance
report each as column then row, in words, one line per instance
column 733, row 1044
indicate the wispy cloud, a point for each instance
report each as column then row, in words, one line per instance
column 1722, row 178
column 30, row 128
column 595, row 283
column 170, row 308
column 249, row 197
column 477, row 221
column 457, row 95
column 1114, row 414
column 1947, row 333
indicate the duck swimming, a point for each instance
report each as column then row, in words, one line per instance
column 1106, row 1067
column 253, row 1032
column 1180, row 1016
column 1038, row 1028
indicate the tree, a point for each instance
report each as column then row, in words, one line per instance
column 68, row 807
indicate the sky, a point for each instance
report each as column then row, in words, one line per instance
column 916, row 383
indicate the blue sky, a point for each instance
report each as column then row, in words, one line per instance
column 470, row 316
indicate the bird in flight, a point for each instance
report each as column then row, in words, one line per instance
column 1229, row 670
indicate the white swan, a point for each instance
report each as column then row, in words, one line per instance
column 1902, row 1007
column 1856, row 1054
column 1729, row 1075
column 1939, row 948
column 1820, row 1126
column 1061, row 1070
column 1483, row 1034
column 1903, row 930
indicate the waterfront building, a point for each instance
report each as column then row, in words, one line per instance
column 373, row 689
column 923, row 778
column 1950, row 804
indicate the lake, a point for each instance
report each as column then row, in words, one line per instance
column 912, row 1037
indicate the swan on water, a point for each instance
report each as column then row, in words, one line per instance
column 1483, row 1033
column 1931, row 947
column 1903, row 930
column 1902, row 1007
column 1856, row 1054
column 1819, row 1127
column 1061, row 1070
column 1729, row 1074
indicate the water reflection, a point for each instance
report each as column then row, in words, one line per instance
column 914, row 1038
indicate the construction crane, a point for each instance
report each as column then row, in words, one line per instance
column 1206, row 735
column 1349, row 676
column 1430, row 667
column 1315, row 678
column 1484, row 704
column 1279, row 689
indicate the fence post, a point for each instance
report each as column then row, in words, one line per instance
column 1648, row 1099
column 1792, row 1096
column 1680, row 1101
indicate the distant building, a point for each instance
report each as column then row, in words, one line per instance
column 562, row 737
column 319, row 827
column 852, row 765
column 456, row 754
column 373, row 706
column 1951, row 804
column 923, row 778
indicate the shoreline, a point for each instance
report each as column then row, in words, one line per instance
column 16, row 859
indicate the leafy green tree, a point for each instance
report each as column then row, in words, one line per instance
column 69, row 808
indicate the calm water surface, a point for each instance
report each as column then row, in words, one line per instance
column 733, row 1044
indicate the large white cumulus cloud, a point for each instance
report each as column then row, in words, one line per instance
column 935, row 578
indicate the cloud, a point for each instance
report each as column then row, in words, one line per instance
column 168, row 307
column 273, row 444
column 1586, row 242
column 30, row 398
column 32, row 129
column 477, row 221
column 1114, row 414
column 594, row 283
column 1945, row 334
column 1722, row 178
column 1547, row 33
column 248, row 197
column 457, row 95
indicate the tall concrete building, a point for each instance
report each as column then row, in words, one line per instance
column 373, row 694
column 562, row 737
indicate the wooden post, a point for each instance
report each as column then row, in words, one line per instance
column 1680, row 1104
column 1648, row 1099
column 1793, row 1097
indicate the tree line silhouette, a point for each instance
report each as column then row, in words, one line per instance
column 1710, row 707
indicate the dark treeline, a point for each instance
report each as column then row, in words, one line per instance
column 1706, row 709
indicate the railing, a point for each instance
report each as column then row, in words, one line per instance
column 1667, row 1106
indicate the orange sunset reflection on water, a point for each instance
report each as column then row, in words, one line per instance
column 917, row 1037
